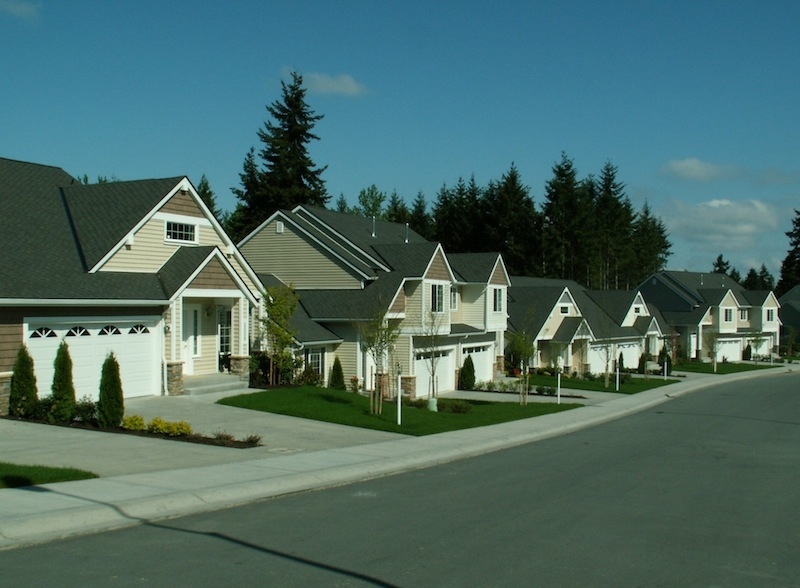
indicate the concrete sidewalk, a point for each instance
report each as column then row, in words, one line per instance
column 151, row 479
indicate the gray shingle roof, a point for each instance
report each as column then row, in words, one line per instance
column 52, row 225
column 473, row 267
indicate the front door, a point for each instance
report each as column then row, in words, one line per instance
column 191, row 337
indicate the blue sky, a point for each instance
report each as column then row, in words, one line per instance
column 695, row 102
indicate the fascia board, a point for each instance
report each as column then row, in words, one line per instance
column 339, row 235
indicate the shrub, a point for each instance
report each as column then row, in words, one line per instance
column 621, row 362
column 337, row 376
column 221, row 435
column 310, row 377
column 490, row 386
column 43, row 408
column 110, row 407
column 253, row 439
column 171, row 428
column 416, row 402
column 747, row 354
column 23, row 396
column 454, row 406
column 466, row 378
column 354, row 385
column 134, row 422
column 85, row 410
column 63, row 408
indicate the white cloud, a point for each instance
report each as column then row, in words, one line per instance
column 343, row 84
column 20, row 8
column 742, row 230
column 698, row 170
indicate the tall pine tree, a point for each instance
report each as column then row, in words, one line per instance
column 286, row 175
column 790, row 268
column 613, row 225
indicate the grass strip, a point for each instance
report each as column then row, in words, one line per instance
column 348, row 408
column 17, row 476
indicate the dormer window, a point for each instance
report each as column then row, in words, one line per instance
column 564, row 309
column 183, row 232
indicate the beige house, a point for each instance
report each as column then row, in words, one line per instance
column 348, row 270
column 141, row 269
column 715, row 316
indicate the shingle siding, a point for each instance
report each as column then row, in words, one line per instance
column 183, row 204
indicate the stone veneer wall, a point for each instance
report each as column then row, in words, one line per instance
column 500, row 364
column 409, row 385
column 174, row 378
column 240, row 365
column 5, row 391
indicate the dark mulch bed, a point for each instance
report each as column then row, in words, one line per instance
column 222, row 441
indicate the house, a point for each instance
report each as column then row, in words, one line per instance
column 714, row 315
column 141, row 269
column 349, row 270
column 582, row 330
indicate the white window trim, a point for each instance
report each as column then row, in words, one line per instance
column 435, row 297
column 497, row 296
column 196, row 230
column 453, row 298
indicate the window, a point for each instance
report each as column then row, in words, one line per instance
column 180, row 232
column 109, row 330
column 453, row 298
column 78, row 332
column 728, row 315
column 224, row 325
column 437, row 297
column 564, row 310
column 637, row 310
column 315, row 359
column 138, row 330
column 770, row 314
column 744, row 314
column 44, row 332
column 498, row 300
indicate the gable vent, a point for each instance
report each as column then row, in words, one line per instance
column 279, row 227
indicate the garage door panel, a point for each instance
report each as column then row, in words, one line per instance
column 133, row 343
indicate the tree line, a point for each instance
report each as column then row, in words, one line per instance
column 585, row 229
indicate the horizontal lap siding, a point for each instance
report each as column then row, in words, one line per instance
column 10, row 337
column 147, row 254
column 295, row 260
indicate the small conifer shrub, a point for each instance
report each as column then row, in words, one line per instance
column 110, row 407
column 23, row 396
column 337, row 376
column 466, row 378
column 63, row 408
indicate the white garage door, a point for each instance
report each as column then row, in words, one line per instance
column 445, row 371
column 134, row 342
column 729, row 349
column 482, row 359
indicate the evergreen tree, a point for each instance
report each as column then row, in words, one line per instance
column 721, row 266
column 650, row 244
column 63, row 389
column 613, row 224
column 466, row 377
column 751, row 281
column 511, row 221
column 790, row 267
column 207, row 195
column 287, row 176
column 23, row 396
column 341, row 204
column 765, row 278
column 566, row 210
column 336, row 380
column 397, row 210
column 110, row 406
column 735, row 275
column 420, row 219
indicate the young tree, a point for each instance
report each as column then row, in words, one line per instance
column 431, row 340
column 110, row 406
column 280, row 302
column 378, row 336
column 287, row 175
column 23, row 396
column 370, row 202
column 521, row 348
column 207, row 195
column 63, row 389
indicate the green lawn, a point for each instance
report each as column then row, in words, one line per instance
column 633, row 386
column 15, row 476
column 348, row 408
column 699, row 367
